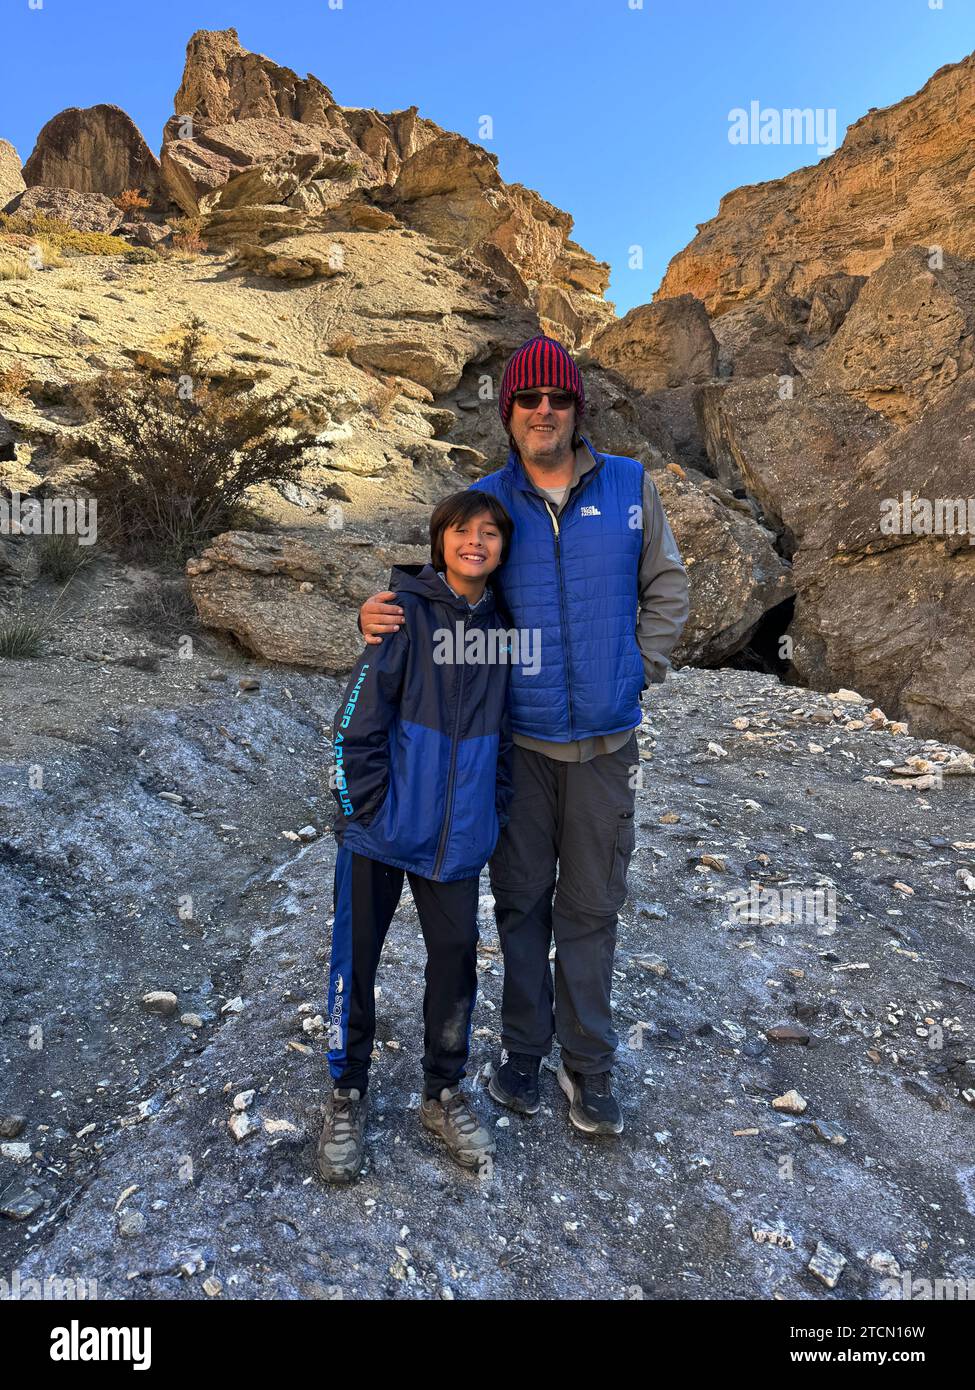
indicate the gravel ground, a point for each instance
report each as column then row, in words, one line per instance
column 131, row 1177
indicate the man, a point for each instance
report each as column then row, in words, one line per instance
column 593, row 568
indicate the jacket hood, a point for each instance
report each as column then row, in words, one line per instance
column 425, row 581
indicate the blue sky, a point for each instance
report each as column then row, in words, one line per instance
column 615, row 111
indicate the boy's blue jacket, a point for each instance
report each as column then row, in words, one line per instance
column 423, row 745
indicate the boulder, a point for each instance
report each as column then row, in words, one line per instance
column 735, row 575
column 909, row 336
column 660, row 345
column 289, row 598
column 94, row 149
column 257, row 161
column 791, row 453
column 889, row 612
column 86, row 212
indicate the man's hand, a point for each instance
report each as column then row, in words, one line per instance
column 377, row 615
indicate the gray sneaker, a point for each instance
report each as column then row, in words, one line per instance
column 342, row 1142
column 455, row 1122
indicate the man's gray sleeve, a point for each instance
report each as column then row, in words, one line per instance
column 663, row 588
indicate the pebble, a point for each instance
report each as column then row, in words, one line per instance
column 160, row 1001
column 773, row 1234
column 792, row 1103
column 830, row 1134
column 131, row 1223
column 240, row 1125
column 19, row 1153
column 827, row 1265
column 655, row 964
column 18, row 1201
column 788, row 1033
column 11, row 1126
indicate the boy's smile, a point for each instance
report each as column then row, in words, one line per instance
column 471, row 550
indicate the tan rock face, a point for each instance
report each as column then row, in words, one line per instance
column 908, row 338
column 666, row 343
column 11, row 175
column 451, row 191
column 95, row 149
column 224, row 85
column 249, row 134
column 222, row 82
column 903, row 175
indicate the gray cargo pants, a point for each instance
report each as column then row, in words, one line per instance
column 576, row 818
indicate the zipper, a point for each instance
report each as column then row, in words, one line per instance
column 451, row 775
column 565, row 629
column 558, row 561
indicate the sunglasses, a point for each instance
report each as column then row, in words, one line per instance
column 531, row 400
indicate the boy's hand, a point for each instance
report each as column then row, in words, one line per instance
column 378, row 615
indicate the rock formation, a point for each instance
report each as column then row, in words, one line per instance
column 813, row 345
column 902, row 176
column 11, row 175
column 95, row 149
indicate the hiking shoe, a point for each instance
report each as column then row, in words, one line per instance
column 342, row 1142
column 592, row 1106
column 453, row 1120
column 515, row 1083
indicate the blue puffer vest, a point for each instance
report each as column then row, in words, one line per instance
column 575, row 579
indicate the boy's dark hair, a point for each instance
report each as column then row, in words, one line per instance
column 460, row 507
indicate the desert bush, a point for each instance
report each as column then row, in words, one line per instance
column 12, row 268
column 187, row 235
column 174, row 448
column 131, row 202
column 61, row 236
column 341, row 345
column 14, row 382
column 381, row 398
column 140, row 255
column 20, row 638
column 163, row 606
column 60, row 557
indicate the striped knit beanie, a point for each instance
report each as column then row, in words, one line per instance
column 540, row 362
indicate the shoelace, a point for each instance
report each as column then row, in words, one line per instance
column 597, row 1085
column 461, row 1114
column 343, row 1115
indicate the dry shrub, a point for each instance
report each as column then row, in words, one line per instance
column 14, row 382
column 176, row 447
column 57, row 236
column 131, row 202
column 341, row 345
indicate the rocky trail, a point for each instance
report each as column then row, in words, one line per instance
column 123, row 1168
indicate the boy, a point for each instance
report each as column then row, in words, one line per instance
column 422, row 753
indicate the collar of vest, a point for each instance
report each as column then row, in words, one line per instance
column 515, row 469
